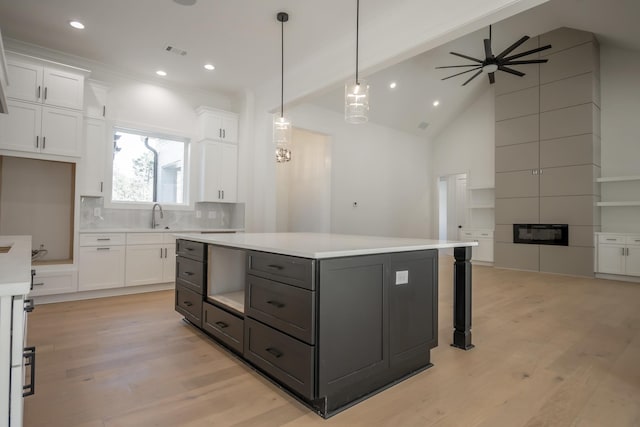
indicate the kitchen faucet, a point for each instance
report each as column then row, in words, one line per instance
column 154, row 224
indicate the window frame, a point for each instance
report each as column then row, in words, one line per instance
column 146, row 130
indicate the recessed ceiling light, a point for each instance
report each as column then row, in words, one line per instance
column 161, row 73
column 393, row 85
column 436, row 103
column 77, row 25
column 209, row 67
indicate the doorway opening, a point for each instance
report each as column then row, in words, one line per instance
column 452, row 202
column 303, row 199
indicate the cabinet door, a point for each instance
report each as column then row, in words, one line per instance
column 169, row 269
column 633, row 260
column 412, row 293
column 210, row 126
column 25, row 81
column 95, row 100
column 228, row 172
column 54, row 282
column 144, row 265
column 61, row 131
column 611, row 259
column 484, row 250
column 230, row 129
column 101, row 267
column 63, row 89
column 20, row 129
column 94, row 158
column 210, row 190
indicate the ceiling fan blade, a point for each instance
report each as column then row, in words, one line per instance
column 510, row 70
column 468, row 71
column 492, row 78
column 530, row 61
column 529, row 52
column 487, row 48
column 458, row 66
column 466, row 57
column 510, row 49
column 472, row 77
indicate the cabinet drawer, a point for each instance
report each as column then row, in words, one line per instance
column 287, row 308
column 633, row 240
column 144, row 238
column 189, row 304
column 102, row 239
column 194, row 250
column 191, row 274
column 284, row 358
column 611, row 238
column 292, row 270
column 58, row 282
column 223, row 325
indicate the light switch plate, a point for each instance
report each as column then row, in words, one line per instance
column 402, row 277
column 96, row 211
column 198, row 214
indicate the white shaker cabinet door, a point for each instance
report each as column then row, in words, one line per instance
column 20, row 129
column 63, row 89
column 633, row 260
column 101, row 267
column 61, row 131
column 169, row 270
column 25, row 80
column 93, row 165
column 229, row 172
column 611, row 259
column 144, row 264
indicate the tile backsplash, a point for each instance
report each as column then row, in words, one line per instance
column 93, row 215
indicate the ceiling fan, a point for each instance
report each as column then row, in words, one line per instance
column 492, row 63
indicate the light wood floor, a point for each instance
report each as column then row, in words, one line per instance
column 550, row 351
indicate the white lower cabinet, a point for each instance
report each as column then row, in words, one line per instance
column 149, row 259
column 484, row 251
column 618, row 254
column 101, row 261
column 51, row 282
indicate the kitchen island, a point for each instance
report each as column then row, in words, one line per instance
column 331, row 318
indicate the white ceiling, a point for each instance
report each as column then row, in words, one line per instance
column 242, row 39
column 419, row 83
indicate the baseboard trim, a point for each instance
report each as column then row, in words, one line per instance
column 618, row 277
column 102, row 293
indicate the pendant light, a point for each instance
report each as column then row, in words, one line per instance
column 281, row 124
column 356, row 92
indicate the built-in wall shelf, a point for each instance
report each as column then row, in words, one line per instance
column 481, row 201
column 604, row 204
column 618, row 178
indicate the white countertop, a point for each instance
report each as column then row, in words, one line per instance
column 15, row 265
column 318, row 245
column 162, row 230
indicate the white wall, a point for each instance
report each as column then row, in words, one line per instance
column 385, row 171
column 620, row 152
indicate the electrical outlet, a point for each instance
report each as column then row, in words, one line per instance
column 402, row 277
column 96, row 211
column 198, row 214
column 213, row 214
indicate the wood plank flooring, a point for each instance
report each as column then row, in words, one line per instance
column 550, row 351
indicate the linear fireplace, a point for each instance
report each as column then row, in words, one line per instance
column 541, row 234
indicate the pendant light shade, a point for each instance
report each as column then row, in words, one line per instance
column 281, row 124
column 356, row 92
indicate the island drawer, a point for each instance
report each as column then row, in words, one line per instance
column 287, row 308
column 189, row 304
column 283, row 268
column 284, row 358
column 191, row 274
column 193, row 250
column 223, row 325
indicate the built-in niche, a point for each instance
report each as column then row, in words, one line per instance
column 37, row 199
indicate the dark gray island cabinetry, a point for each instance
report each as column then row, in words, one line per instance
column 332, row 330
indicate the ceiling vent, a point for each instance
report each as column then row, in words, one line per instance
column 173, row 49
column 423, row 125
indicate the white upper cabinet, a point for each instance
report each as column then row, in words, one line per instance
column 20, row 129
column 217, row 125
column 219, row 172
column 95, row 100
column 61, row 132
column 46, row 83
column 93, row 165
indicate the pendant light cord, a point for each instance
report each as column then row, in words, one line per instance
column 357, row 33
column 282, row 70
column 489, row 32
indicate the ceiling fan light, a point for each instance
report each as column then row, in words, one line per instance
column 356, row 102
column 490, row 68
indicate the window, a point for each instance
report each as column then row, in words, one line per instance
column 148, row 168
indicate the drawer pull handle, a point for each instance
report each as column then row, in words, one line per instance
column 276, row 304
column 29, row 305
column 187, row 303
column 188, row 273
column 30, row 355
column 275, row 267
column 103, row 249
column 105, row 239
column 38, row 284
column 222, row 325
column 274, row 352
column 188, row 248
column 611, row 240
